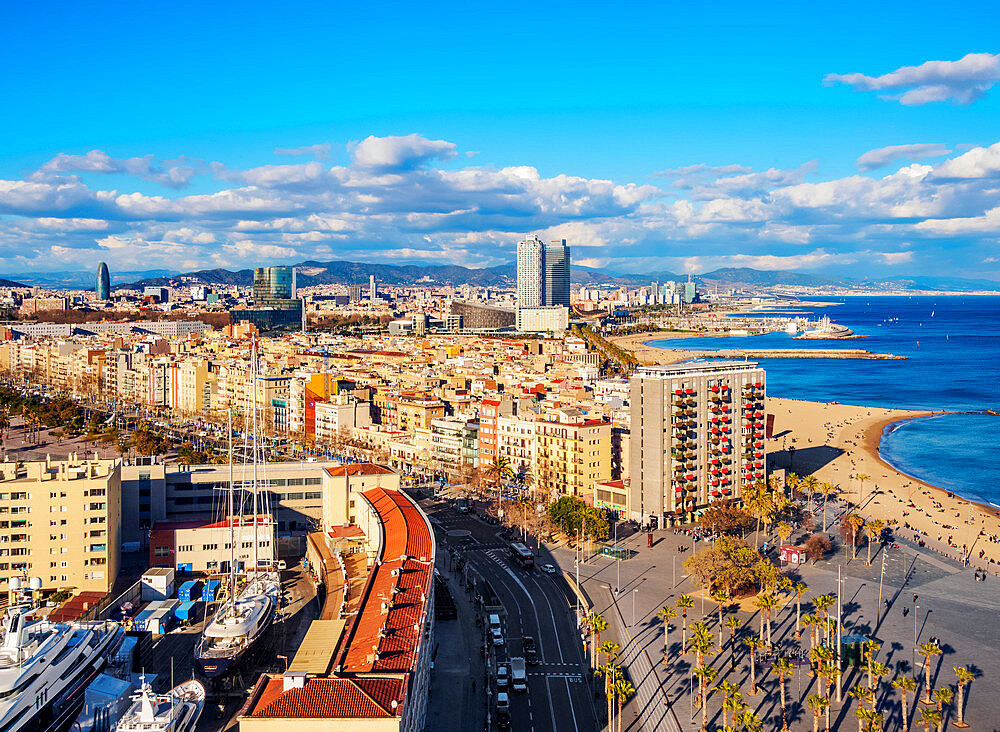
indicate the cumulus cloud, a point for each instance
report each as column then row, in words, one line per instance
column 962, row 82
column 168, row 173
column 401, row 152
column 320, row 151
column 883, row 156
column 396, row 202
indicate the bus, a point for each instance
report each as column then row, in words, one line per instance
column 522, row 555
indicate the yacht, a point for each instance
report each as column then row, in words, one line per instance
column 176, row 711
column 246, row 614
column 45, row 667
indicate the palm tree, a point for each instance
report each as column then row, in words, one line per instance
column 869, row 649
column 498, row 469
column 729, row 691
column 597, row 625
column 753, row 643
column 721, row 597
column 905, row 685
column 808, row 486
column 864, row 695
column 733, row 623
column 666, row 613
column 929, row 716
column 702, row 641
column 684, row 603
column 810, row 622
column 623, row 690
column 823, row 603
column 965, row 676
column 799, row 588
column 783, row 667
column 749, row 721
column 818, row 704
column 827, row 489
column 793, row 482
column 874, row 531
column 855, row 521
column 862, row 477
column 927, row 650
column 767, row 603
column 868, row 720
column 784, row 530
column 942, row 696
column 610, row 672
column 755, row 500
column 878, row 671
column 706, row 675
column 610, row 650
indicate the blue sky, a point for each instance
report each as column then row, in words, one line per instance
column 147, row 135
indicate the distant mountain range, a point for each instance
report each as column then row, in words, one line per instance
column 504, row 275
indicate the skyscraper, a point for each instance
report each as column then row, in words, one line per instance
column 530, row 273
column 271, row 284
column 557, row 273
column 103, row 282
column 371, row 287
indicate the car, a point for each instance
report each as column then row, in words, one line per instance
column 530, row 650
column 503, row 702
column 548, row 569
column 497, row 636
column 503, row 677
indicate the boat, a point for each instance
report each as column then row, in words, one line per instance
column 176, row 711
column 45, row 667
column 248, row 611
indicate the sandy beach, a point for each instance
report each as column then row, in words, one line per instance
column 837, row 442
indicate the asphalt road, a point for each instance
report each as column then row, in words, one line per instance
column 559, row 696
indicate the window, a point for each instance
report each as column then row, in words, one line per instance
column 186, row 548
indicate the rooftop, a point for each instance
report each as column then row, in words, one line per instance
column 359, row 469
column 332, row 698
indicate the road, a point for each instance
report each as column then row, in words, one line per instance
column 559, row 696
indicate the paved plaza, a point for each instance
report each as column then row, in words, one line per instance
column 951, row 605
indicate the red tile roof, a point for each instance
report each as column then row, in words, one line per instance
column 332, row 698
column 359, row 469
column 386, row 634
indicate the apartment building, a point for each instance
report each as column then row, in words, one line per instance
column 516, row 442
column 697, row 435
column 572, row 454
column 417, row 410
column 60, row 521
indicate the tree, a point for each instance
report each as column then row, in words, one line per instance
column 927, row 650
column 753, row 642
column 942, row 697
column 729, row 691
column 906, row 685
column 721, row 597
column 862, row 477
column 766, row 603
column 610, row 673
column 808, row 486
column 725, row 519
column 498, row 470
column 784, row 530
column 799, row 589
column 827, row 489
column 783, row 667
column 684, row 603
column 864, row 695
column 597, row 625
column 610, row 650
column 749, row 721
column 874, row 530
column 623, row 690
column 850, row 527
column 731, row 565
column 818, row 704
column 817, row 546
column 964, row 677
column 706, row 675
column 929, row 716
column 666, row 614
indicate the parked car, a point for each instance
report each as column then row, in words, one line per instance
column 497, row 636
column 503, row 677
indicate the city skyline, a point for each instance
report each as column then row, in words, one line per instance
column 753, row 146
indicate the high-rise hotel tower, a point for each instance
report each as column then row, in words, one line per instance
column 542, row 285
column 698, row 435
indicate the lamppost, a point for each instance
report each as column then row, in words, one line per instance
column 576, row 556
column 634, row 592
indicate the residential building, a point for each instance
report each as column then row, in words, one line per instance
column 572, row 454
column 530, row 273
column 193, row 546
column 697, row 435
column 60, row 521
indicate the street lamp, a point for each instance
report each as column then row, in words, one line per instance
column 634, row 592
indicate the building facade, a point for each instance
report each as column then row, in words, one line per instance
column 697, row 435
column 103, row 286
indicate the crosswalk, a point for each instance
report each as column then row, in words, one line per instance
column 558, row 675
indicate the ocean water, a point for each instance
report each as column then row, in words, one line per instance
column 952, row 349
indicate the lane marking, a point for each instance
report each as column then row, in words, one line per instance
column 572, row 709
column 552, row 709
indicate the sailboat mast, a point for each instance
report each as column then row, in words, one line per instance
column 253, row 376
column 232, row 534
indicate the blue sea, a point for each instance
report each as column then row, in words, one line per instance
column 952, row 349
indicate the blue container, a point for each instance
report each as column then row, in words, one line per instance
column 211, row 588
column 187, row 611
column 190, row 590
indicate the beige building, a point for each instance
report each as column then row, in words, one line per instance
column 341, row 486
column 697, row 435
column 572, row 454
column 60, row 521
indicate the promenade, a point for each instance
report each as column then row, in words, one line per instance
column 951, row 605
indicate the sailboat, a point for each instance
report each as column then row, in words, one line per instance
column 176, row 711
column 246, row 614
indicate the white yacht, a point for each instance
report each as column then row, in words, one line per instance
column 45, row 667
column 176, row 711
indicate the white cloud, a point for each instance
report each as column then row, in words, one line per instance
column 979, row 162
column 168, row 173
column 320, row 151
column 963, row 81
column 882, row 156
column 401, row 152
